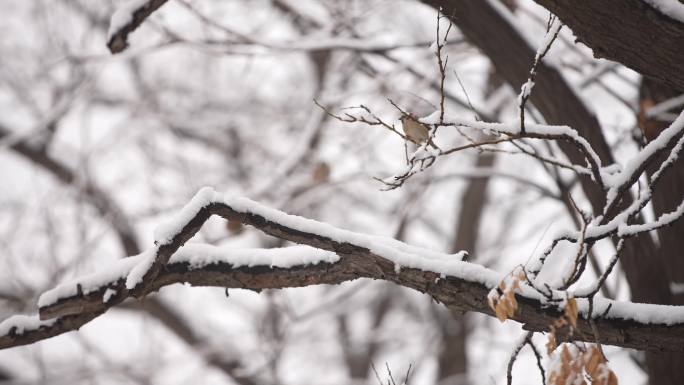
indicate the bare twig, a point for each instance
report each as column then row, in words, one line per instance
column 552, row 33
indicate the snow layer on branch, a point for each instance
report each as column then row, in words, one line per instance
column 641, row 312
column 137, row 272
column 124, row 16
column 662, row 220
column 200, row 255
column 197, row 255
column 671, row 8
column 22, row 323
column 92, row 282
column 662, row 107
column 551, row 34
column 165, row 232
column 618, row 179
column 401, row 254
column 513, row 128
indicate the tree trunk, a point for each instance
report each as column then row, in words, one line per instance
column 665, row 368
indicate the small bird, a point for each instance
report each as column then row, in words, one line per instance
column 415, row 131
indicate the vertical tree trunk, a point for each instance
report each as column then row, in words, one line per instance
column 486, row 27
column 453, row 359
column 665, row 368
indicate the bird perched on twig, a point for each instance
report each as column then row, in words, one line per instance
column 416, row 131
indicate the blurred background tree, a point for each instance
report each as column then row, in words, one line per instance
column 98, row 149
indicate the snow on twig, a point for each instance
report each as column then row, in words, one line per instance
column 526, row 89
column 126, row 18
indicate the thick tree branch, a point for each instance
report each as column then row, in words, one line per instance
column 627, row 31
column 464, row 286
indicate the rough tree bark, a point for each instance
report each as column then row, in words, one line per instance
column 627, row 31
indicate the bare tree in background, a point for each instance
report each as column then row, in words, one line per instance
column 99, row 150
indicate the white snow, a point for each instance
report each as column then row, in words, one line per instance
column 197, row 255
column 123, row 16
column 671, row 8
column 95, row 281
column 641, row 312
column 526, row 88
column 165, row 232
column 617, row 179
column 513, row 128
column 108, row 294
column 664, row 220
column 145, row 261
column 22, row 323
column 677, row 288
column 549, row 37
column 200, row 255
column 665, row 106
column 390, row 249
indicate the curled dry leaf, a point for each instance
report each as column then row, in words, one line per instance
column 575, row 365
column 567, row 320
column 502, row 298
column 597, row 368
column 568, row 368
column 551, row 344
column 571, row 311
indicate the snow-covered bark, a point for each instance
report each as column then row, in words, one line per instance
column 332, row 255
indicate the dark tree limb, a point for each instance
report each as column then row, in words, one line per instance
column 665, row 368
column 630, row 32
column 356, row 261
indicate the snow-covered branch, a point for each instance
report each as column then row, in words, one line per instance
column 652, row 49
column 328, row 255
column 127, row 17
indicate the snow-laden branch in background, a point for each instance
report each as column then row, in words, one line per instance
column 535, row 131
column 636, row 165
column 132, row 13
column 20, row 324
column 127, row 17
column 262, row 46
column 662, row 108
column 429, row 150
column 194, row 255
column 671, row 8
column 207, row 202
column 330, row 255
